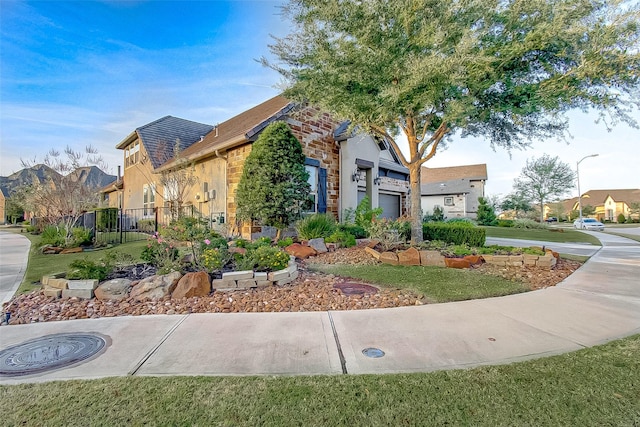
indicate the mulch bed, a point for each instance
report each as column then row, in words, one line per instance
column 310, row 292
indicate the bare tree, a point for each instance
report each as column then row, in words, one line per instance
column 63, row 197
column 177, row 182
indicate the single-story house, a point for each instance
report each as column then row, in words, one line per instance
column 343, row 166
column 454, row 189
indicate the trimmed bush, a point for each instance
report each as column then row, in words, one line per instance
column 463, row 222
column 355, row 230
column 345, row 239
column 621, row 219
column 454, row 233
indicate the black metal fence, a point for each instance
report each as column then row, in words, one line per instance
column 114, row 225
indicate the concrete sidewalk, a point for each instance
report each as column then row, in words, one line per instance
column 598, row 303
column 14, row 254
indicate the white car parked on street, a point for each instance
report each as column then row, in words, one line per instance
column 588, row 224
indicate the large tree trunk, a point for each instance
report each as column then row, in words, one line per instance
column 415, row 199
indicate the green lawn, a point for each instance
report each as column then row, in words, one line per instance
column 564, row 236
column 437, row 284
column 40, row 264
column 593, row 387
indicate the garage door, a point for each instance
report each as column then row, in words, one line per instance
column 390, row 204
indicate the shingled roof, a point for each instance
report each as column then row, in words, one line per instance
column 435, row 175
column 598, row 197
column 159, row 137
column 456, row 186
column 239, row 129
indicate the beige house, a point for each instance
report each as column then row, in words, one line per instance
column 341, row 166
column 608, row 204
column 454, row 189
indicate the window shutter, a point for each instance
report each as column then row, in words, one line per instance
column 322, row 190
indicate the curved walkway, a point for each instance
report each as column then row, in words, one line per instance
column 598, row 303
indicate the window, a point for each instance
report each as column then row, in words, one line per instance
column 311, row 204
column 148, row 199
column 448, row 201
column 132, row 154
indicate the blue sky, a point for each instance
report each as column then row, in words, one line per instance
column 90, row 72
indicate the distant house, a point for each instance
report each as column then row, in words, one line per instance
column 343, row 166
column 453, row 189
column 608, row 204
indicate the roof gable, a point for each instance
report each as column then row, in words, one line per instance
column 471, row 172
column 598, row 197
column 160, row 136
column 239, row 128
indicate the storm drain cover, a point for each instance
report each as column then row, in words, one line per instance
column 49, row 353
column 373, row 352
column 352, row 288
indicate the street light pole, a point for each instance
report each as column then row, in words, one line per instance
column 578, row 179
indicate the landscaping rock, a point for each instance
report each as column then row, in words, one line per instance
column 156, row 287
column 372, row 252
column 71, row 251
column 318, row 245
column 457, row 263
column 300, row 251
column 49, row 250
column 474, row 259
column 193, row 285
column 432, row 258
column 389, row 258
column 115, row 289
column 235, row 250
column 373, row 243
column 409, row 257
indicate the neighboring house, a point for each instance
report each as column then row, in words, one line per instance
column 454, row 189
column 608, row 204
column 342, row 168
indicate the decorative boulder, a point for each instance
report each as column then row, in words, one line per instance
column 300, row 251
column 474, row 259
column 318, row 245
column 409, row 257
column 116, row 289
column 156, row 287
column 388, row 258
column 457, row 263
column 193, row 285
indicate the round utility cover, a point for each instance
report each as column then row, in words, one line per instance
column 373, row 352
column 49, row 353
column 353, row 288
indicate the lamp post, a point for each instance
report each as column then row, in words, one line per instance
column 578, row 179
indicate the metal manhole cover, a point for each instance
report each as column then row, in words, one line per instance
column 49, row 353
column 373, row 352
column 352, row 288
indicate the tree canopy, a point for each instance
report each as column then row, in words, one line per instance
column 507, row 71
column 544, row 178
column 273, row 186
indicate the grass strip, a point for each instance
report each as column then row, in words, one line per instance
column 591, row 387
column 563, row 236
column 437, row 284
